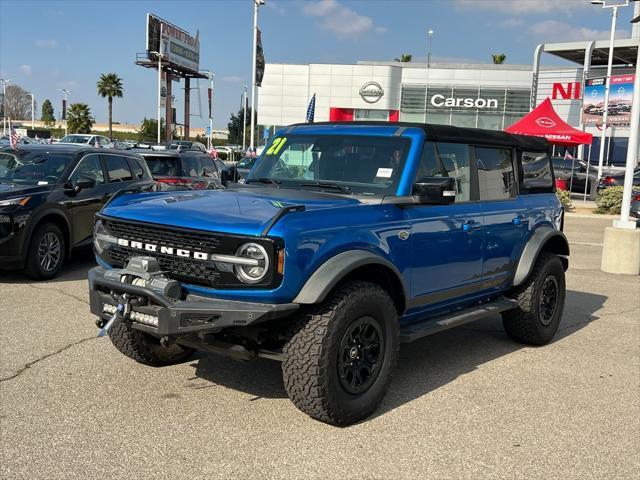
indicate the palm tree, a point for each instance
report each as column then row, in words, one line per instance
column 498, row 58
column 110, row 85
column 404, row 58
column 79, row 118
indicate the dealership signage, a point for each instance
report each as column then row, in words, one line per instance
column 566, row 91
column 371, row 92
column 620, row 100
column 440, row 101
column 179, row 48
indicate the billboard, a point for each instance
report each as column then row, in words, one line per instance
column 179, row 48
column 620, row 100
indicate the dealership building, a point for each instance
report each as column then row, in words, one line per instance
column 468, row 95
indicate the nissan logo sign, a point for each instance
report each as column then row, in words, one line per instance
column 546, row 122
column 371, row 92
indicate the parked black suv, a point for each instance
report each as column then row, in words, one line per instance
column 49, row 195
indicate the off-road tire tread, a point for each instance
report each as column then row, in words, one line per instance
column 130, row 342
column 519, row 323
column 307, row 354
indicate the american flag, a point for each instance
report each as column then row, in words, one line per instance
column 311, row 109
column 13, row 137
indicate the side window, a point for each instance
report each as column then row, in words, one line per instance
column 104, row 141
column 89, row 167
column 138, row 173
column 192, row 166
column 118, row 168
column 209, row 166
column 536, row 170
column 448, row 160
column 496, row 179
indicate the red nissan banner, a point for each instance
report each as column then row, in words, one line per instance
column 210, row 95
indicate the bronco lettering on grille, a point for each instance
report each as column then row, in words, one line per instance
column 152, row 247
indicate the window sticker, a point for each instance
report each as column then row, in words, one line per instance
column 384, row 173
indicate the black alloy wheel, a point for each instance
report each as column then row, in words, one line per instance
column 548, row 300
column 359, row 355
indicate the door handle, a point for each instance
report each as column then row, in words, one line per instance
column 520, row 219
column 469, row 225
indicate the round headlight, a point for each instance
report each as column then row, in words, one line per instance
column 257, row 270
column 101, row 237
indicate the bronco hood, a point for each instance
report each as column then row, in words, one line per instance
column 243, row 211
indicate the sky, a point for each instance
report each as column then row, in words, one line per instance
column 49, row 45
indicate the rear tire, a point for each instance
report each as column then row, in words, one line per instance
column 46, row 252
column 145, row 348
column 341, row 357
column 540, row 303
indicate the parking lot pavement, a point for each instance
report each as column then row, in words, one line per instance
column 467, row 403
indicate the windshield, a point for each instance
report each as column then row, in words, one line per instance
column 32, row 168
column 163, row 166
column 364, row 165
column 74, row 139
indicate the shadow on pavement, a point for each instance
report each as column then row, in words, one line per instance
column 75, row 269
column 425, row 365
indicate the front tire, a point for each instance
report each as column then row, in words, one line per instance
column 145, row 348
column 46, row 252
column 540, row 303
column 340, row 360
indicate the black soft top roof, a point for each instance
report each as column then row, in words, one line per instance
column 448, row 133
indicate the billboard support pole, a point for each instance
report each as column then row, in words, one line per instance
column 607, row 89
column 187, row 106
column 168, row 112
column 159, row 95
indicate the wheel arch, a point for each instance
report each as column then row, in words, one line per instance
column 354, row 265
column 544, row 239
column 59, row 219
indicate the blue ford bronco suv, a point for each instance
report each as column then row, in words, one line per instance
column 345, row 241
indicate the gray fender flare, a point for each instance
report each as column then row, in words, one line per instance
column 538, row 240
column 327, row 276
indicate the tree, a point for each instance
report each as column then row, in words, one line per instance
column 109, row 86
column 18, row 103
column 235, row 128
column 79, row 118
column 404, row 58
column 47, row 113
column 498, row 58
column 148, row 131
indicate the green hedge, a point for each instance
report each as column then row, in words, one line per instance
column 565, row 199
column 610, row 201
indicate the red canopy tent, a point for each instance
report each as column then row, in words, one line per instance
column 543, row 121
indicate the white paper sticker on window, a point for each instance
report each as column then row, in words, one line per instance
column 42, row 182
column 384, row 173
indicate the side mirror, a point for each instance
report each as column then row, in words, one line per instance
column 83, row 183
column 224, row 177
column 435, row 190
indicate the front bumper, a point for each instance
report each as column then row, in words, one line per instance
column 163, row 316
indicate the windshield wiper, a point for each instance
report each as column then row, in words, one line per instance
column 270, row 181
column 335, row 186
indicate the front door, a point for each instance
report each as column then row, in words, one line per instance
column 446, row 240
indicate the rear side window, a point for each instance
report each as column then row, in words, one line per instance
column 192, row 166
column 496, row 180
column 536, row 171
column 118, row 168
column 448, row 160
column 136, row 168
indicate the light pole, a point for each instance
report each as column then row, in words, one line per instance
column 430, row 33
column 244, row 119
column 256, row 4
column 4, row 104
column 66, row 93
column 210, row 75
column 33, row 111
column 607, row 87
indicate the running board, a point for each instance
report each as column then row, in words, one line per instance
column 414, row 331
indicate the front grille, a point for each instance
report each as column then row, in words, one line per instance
column 187, row 270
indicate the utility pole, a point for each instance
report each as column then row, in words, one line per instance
column 4, row 104
column 256, row 4
column 244, row 119
column 66, row 93
column 430, row 33
column 33, row 111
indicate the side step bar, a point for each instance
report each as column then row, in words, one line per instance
column 414, row 331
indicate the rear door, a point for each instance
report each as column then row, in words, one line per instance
column 446, row 240
column 505, row 215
